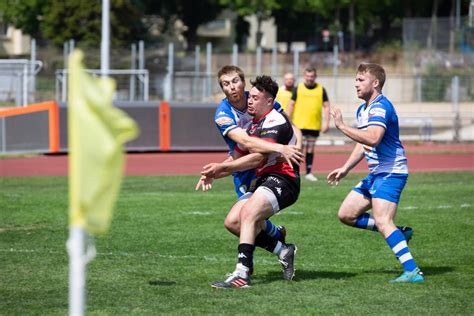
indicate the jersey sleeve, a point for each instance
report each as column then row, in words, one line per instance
column 225, row 121
column 293, row 95
column 277, row 106
column 378, row 115
column 325, row 96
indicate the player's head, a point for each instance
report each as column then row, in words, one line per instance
column 375, row 71
column 263, row 93
column 232, row 81
column 289, row 80
column 309, row 75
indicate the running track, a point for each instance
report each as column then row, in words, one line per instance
column 421, row 158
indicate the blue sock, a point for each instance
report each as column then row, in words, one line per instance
column 272, row 230
column 365, row 221
column 396, row 241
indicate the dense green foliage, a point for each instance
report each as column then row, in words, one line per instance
column 373, row 20
column 167, row 243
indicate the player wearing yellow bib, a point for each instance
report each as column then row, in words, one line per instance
column 285, row 92
column 309, row 111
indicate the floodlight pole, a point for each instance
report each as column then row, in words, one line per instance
column 105, row 42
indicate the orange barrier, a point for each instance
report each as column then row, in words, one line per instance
column 164, row 120
column 53, row 117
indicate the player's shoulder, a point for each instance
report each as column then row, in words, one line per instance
column 223, row 109
column 274, row 118
column 224, row 116
column 381, row 105
column 381, row 102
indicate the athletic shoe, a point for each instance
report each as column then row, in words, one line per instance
column 310, row 177
column 286, row 259
column 415, row 276
column 407, row 232
column 282, row 230
column 237, row 279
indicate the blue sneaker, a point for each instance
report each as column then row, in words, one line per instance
column 407, row 232
column 415, row 276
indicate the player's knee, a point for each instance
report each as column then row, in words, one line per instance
column 232, row 225
column 247, row 215
column 346, row 217
column 384, row 223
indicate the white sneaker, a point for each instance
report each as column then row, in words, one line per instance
column 310, row 177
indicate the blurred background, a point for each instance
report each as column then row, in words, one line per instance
column 172, row 50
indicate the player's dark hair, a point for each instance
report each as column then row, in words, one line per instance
column 227, row 69
column 265, row 84
column 375, row 70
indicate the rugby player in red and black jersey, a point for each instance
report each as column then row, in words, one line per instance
column 277, row 185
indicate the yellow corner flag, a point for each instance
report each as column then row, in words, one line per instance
column 97, row 132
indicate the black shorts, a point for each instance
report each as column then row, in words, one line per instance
column 281, row 190
column 310, row 133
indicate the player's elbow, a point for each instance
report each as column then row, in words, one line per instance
column 372, row 142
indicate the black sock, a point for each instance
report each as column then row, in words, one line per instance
column 245, row 255
column 266, row 242
column 309, row 162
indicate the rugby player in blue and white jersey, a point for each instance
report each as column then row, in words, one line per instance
column 232, row 119
column 377, row 137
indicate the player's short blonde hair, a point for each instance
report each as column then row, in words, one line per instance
column 375, row 70
column 227, row 69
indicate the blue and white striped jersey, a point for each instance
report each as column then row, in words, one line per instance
column 389, row 155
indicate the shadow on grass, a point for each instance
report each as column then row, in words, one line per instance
column 427, row 270
column 301, row 275
column 161, row 283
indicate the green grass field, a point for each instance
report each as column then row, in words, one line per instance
column 167, row 243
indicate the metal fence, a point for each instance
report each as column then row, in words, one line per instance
column 17, row 80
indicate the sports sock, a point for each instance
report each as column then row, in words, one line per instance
column 266, row 242
column 365, row 221
column 396, row 241
column 309, row 162
column 245, row 255
column 272, row 230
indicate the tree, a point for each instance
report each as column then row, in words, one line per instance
column 59, row 20
column 84, row 22
column 191, row 13
column 24, row 15
column 261, row 8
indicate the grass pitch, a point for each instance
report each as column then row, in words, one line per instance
column 167, row 243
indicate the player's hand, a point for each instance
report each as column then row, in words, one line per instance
column 337, row 116
column 211, row 170
column 335, row 176
column 205, row 183
column 292, row 155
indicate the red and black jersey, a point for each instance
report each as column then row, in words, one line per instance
column 273, row 127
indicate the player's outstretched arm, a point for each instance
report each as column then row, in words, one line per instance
column 356, row 156
column 257, row 145
column 223, row 169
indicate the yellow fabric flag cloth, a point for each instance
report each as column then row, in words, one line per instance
column 97, row 132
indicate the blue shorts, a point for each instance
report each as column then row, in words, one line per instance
column 243, row 180
column 385, row 186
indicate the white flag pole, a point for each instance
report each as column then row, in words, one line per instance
column 105, row 39
column 79, row 255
